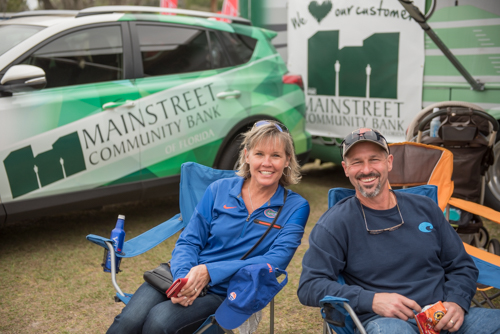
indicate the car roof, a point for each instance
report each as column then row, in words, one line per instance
column 43, row 20
column 59, row 20
column 45, row 15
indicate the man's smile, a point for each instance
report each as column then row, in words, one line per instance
column 370, row 179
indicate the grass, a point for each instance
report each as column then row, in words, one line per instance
column 51, row 280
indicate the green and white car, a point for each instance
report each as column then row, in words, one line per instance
column 105, row 104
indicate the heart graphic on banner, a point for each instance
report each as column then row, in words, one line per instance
column 320, row 11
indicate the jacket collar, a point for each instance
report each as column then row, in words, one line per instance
column 275, row 200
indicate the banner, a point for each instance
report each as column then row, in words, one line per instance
column 362, row 64
column 168, row 4
column 230, row 7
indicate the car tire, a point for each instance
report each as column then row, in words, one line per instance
column 492, row 186
column 229, row 158
column 494, row 247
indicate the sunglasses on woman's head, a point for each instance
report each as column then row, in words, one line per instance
column 279, row 127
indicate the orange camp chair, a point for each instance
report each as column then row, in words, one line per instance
column 419, row 164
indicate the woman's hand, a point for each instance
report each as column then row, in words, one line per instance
column 184, row 301
column 198, row 278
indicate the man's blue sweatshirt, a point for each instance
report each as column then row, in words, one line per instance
column 423, row 260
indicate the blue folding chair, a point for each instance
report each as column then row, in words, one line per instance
column 195, row 179
column 339, row 316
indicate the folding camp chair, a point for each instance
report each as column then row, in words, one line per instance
column 195, row 179
column 417, row 166
column 337, row 314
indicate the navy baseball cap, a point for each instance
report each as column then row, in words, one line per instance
column 249, row 291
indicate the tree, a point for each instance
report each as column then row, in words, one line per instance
column 12, row 6
column 211, row 5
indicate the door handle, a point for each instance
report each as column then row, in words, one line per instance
column 229, row 95
column 112, row 105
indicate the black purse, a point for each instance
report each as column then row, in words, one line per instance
column 161, row 277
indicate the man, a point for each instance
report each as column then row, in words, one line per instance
column 392, row 268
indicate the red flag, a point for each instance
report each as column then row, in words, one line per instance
column 168, row 4
column 230, row 7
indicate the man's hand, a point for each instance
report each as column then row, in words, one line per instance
column 453, row 319
column 394, row 305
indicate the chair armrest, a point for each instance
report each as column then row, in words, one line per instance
column 153, row 237
column 332, row 310
column 333, row 316
column 145, row 241
column 340, row 313
column 477, row 209
column 98, row 240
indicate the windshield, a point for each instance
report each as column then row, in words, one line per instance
column 13, row 34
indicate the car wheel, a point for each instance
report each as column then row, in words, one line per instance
column 229, row 158
column 492, row 188
column 494, row 246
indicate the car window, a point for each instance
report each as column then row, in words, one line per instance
column 14, row 34
column 85, row 56
column 218, row 55
column 172, row 50
column 239, row 47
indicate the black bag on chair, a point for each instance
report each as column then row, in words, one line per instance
column 160, row 277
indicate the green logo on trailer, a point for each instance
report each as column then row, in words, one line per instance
column 370, row 70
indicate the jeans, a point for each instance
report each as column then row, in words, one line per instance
column 477, row 321
column 149, row 311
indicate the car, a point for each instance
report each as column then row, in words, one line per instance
column 103, row 105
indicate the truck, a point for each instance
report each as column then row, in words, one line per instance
column 370, row 63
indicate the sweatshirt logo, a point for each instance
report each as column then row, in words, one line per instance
column 425, row 227
column 270, row 213
column 228, row 207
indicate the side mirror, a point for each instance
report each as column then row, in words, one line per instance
column 23, row 78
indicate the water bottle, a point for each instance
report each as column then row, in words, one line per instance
column 118, row 236
column 435, row 123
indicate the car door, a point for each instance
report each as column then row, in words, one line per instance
column 72, row 135
column 188, row 102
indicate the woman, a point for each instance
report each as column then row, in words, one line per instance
column 232, row 215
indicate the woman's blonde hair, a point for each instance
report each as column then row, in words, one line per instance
column 264, row 130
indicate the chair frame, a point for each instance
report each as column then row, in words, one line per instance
column 125, row 297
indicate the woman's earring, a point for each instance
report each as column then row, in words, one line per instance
column 284, row 170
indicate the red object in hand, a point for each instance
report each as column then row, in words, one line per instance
column 429, row 317
column 176, row 287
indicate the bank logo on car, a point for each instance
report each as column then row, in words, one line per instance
column 27, row 172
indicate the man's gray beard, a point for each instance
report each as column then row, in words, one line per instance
column 372, row 194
